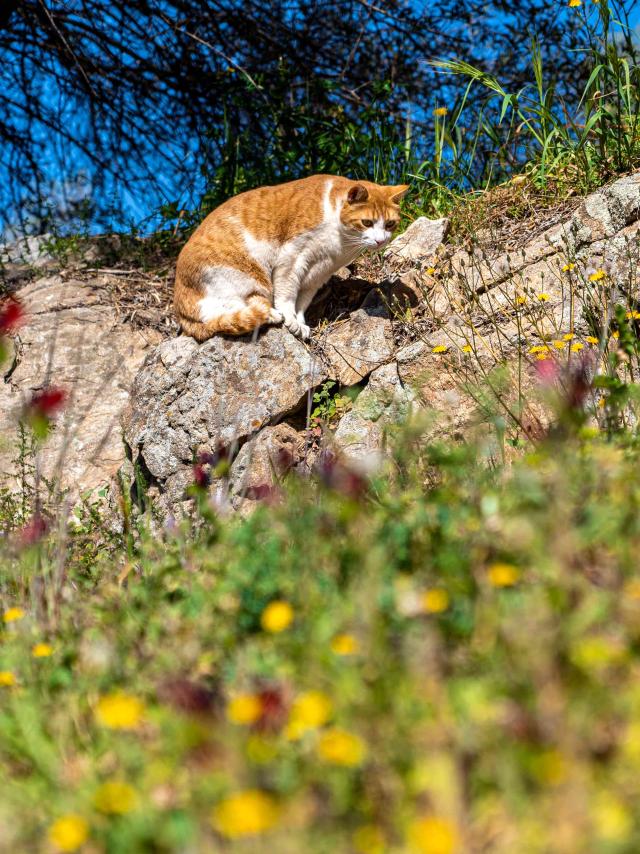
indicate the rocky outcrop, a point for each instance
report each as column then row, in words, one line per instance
column 409, row 346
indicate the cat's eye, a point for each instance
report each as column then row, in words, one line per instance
column 367, row 223
column 390, row 224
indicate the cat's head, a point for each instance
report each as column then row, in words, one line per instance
column 371, row 213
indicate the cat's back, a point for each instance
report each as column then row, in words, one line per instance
column 276, row 213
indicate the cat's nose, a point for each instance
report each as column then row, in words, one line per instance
column 381, row 240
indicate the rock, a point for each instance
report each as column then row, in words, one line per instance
column 360, row 435
column 354, row 347
column 419, row 241
column 72, row 338
column 190, row 397
column 32, row 251
column 262, row 461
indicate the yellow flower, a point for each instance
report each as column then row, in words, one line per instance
column 632, row 588
column 276, row 617
column 541, row 357
column 467, row 348
column 568, row 336
column 339, row 747
column 543, row 297
column 539, row 348
column 7, row 678
column 601, row 403
column 12, row 615
column 503, row 574
column 559, row 345
column 115, row 798
column 440, row 111
column 244, row 709
column 68, row 832
column 248, row 813
column 433, row 835
column 345, row 645
column 568, row 268
column 612, row 818
column 309, row 711
column 431, row 271
column 119, row 711
column 42, row 650
column 521, row 300
column 597, row 276
column 575, row 348
column 615, row 335
column 369, row 839
column 550, row 767
column 591, row 339
column 573, row 4
column 440, row 348
column 435, row 601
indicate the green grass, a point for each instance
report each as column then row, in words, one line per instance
column 500, row 711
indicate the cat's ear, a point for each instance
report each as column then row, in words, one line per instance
column 398, row 193
column 357, row 193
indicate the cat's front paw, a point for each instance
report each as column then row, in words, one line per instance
column 275, row 316
column 300, row 330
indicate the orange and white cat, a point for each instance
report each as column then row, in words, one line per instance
column 261, row 256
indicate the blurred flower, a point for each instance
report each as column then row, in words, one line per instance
column 244, row 709
column 339, row 747
column 12, row 615
column 547, row 370
column 591, row 339
column 573, row 4
column 599, row 274
column 309, row 710
column 276, row 617
column 345, row 645
column 11, row 315
column 568, row 268
column 119, row 711
column 7, row 679
column 539, row 348
column 440, row 111
column 431, row 271
column 550, row 768
column 503, row 574
column 632, row 588
column 615, row 334
column 48, row 401
column 68, row 833
column 613, row 820
column 433, row 835
column 338, row 476
column 187, row 695
column 42, row 650
column 520, row 300
column 115, row 798
column 33, row 531
column 369, row 839
column 575, row 348
column 467, row 348
column 568, row 336
column 435, row 601
column 559, row 345
column 247, row 813
column 596, row 652
column 543, row 297
column 440, row 348
column 274, row 703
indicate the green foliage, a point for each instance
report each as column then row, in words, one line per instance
column 330, row 405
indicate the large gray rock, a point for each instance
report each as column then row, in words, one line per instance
column 354, row 347
column 419, row 241
column 72, row 338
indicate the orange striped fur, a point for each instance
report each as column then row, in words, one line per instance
column 261, row 256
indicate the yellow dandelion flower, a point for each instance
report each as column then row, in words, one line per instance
column 244, row 709
column 575, row 348
column 543, row 297
column 440, row 111
column 615, row 335
column 520, row 300
column 433, row 835
column 559, row 345
column 636, row 315
column 538, row 348
column 369, row 839
column 467, row 348
column 440, row 348
column 435, row 601
column 542, row 357
column 7, row 678
column 12, row 615
column 568, row 336
column 612, row 819
column 573, row 4
column 345, row 645
column 431, row 271
column 339, row 747
column 597, row 276
column 503, row 574
column 309, row 710
column 68, row 833
column 42, row 650
column 591, row 339
column 601, row 403
column 568, row 268
column 277, row 617
column 119, row 711
column 248, row 813
column 115, row 798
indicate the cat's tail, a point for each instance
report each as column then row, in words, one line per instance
column 257, row 312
